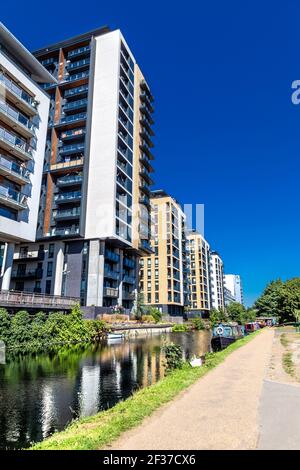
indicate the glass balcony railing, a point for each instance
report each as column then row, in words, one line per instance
column 10, row 194
column 110, row 273
column 78, row 64
column 129, row 263
column 16, row 143
column 68, row 196
column 18, row 91
column 73, row 118
column 126, row 183
column 64, row 231
column 115, row 257
column 68, row 213
column 126, row 152
column 79, row 51
column 76, row 91
column 69, row 180
column 129, row 279
column 125, row 167
column 75, row 105
column 77, row 76
column 16, row 116
column 14, row 168
column 72, row 148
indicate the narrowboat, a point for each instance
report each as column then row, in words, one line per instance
column 252, row 326
column 224, row 334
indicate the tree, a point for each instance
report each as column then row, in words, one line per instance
column 236, row 312
column 5, row 325
column 280, row 299
column 216, row 316
column 139, row 308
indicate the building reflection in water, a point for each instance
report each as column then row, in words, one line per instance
column 42, row 394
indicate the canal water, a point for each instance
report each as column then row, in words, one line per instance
column 41, row 394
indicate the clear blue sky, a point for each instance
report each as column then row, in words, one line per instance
column 227, row 134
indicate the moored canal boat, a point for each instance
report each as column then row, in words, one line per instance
column 225, row 334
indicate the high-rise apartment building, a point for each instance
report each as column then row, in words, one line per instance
column 24, row 108
column 163, row 281
column 216, row 281
column 94, row 207
column 233, row 283
column 199, row 277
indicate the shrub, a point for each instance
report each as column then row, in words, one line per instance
column 148, row 319
column 155, row 313
column 5, row 325
column 198, row 324
column 21, row 327
column 173, row 355
column 180, row 327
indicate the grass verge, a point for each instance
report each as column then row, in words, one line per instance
column 105, row 427
column 288, row 364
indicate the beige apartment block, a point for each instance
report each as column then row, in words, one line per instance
column 162, row 273
column 198, row 252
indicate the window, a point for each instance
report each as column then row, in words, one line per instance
column 49, row 268
column 149, row 298
column 51, row 250
column 156, row 297
column 48, row 286
column 20, row 286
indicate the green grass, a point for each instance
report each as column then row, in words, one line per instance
column 102, row 429
column 284, row 340
column 288, row 364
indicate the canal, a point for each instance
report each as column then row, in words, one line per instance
column 41, row 394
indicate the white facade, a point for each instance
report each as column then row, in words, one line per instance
column 104, row 142
column 234, row 284
column 216, row 281
column 24, row 111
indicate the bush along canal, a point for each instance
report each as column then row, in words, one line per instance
column 41, row 393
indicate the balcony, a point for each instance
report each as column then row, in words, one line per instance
column 109, row 273
column 77, row 76
column 73, row 118
column 125, row 152
column 72, row 148
column 146, row 89
column 12, row 198
column 145, row 174
column 128, row 279
column 111, row 292
column 128, row 295
column 18, row 96
column 129, row 263
column 72, row 196
column 77, row 91
column 14, row 144
column 110, row 255
column 64, row 231
column 32, row 256
column 145, row 161
column 146, row 245
column 14, row 171
column 79, row 51
column 145, row 189
column 71, row 180
column 78, row 104
column 144, row 148
column 79, row 64
column 145, row 111
column 145, row 99
column 62, row 167
column 146, row 137
column 27, row 274
column 72, row 134
column 67, row 214
column 125, row 182
column 144, row 200
column 16, row 119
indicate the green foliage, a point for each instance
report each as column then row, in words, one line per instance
column 148, row 319
column 5, row 325
column 198, row 323
column 173, row 355
column 236, row 312
column 155, row 313
column 37, row 332
column 216, row 316
column 179, row 328
column 280, row 299
column 140, row 308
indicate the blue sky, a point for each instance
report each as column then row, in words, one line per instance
column 227, row 133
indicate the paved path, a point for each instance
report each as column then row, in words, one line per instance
column 279, row 416
column 220, row 411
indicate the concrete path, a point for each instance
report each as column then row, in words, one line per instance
column 279, row 417
column 220, row 411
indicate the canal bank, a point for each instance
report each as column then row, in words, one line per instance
column 103, row 429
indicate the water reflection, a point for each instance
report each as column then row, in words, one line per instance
column 41, row 394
